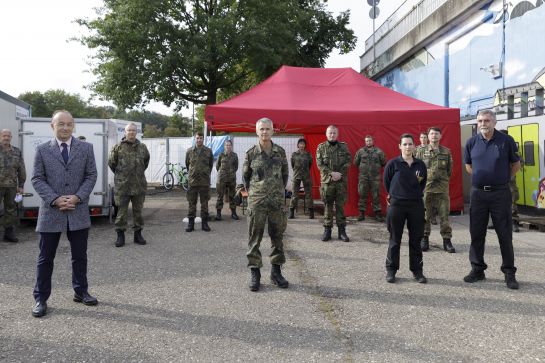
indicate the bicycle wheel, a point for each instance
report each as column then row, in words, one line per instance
column 168, row 181
column 185, row 182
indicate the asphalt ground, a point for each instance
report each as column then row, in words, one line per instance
column 184, row 297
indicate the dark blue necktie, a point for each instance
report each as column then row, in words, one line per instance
column 64, row 152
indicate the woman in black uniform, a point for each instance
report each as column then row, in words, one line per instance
column 404, row 179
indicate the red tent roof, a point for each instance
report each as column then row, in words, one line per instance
column 298, row 99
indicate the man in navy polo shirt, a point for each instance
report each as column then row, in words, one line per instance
column 491, row 158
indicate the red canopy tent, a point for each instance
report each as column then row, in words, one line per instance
column 307, row 100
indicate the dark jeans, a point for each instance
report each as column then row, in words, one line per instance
column 400, row 211
column 497, row 205
column 48, row 248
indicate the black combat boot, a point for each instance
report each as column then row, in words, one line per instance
column 379, row 217
column 120, row 242
column 292, row 213
column 218, row 214
column 327, row 234
column 234, row 214
column 391, row 276
column 9, row 235
column 447, row 245
column 204, row 223
column 425, row 244
column 516, row 226
column 311, row 213
column 138, row 239
column 511, row 281
column 342, row 234
column 277, row 278
column 419, row 276
column 190, row 225
column 255, row 277
column 361, row 217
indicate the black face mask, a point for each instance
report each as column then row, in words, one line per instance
column 332, row 143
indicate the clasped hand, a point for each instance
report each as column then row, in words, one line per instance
column 66, row 202
column 336, row 176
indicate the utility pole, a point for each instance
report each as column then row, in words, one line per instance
column 373, row 14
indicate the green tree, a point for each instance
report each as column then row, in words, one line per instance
column 151, row 130
column 175, row 51
column 180, row 123
column 43, row 105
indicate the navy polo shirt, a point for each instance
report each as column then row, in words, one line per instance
column 491, row 159
column 405, row 182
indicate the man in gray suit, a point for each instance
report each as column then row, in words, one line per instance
column 64, row 176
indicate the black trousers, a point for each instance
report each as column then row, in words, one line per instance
column 497, row 205
column 48, row 248
column 400, row 211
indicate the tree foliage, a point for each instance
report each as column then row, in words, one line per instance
column 44, row 104
column 175, row 51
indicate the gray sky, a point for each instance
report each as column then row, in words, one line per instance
column 37, row 56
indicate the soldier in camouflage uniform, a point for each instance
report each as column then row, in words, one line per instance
column 438, row 160
column 423, row 142
column 333, row 159
column 227, row 167
column 423, row 145
column 369, row 160
column 301, row 161
column 12, row 181
column 265, row 174
column 128, row 161
column 199, row 161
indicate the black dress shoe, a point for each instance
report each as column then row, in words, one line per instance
column 39, row 310
column 86, row 299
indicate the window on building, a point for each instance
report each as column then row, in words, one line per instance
column 529, row 153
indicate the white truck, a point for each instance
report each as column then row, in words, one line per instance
column 102, row 133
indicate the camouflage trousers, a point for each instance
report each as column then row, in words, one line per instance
column 276, row 221
column 366, row 186
column 7, row 194
column 333, row 193
column 223, row 187
column 441, row 203
column 515, row 196
column 192, row 195
column 307, row 185
column 122, row 203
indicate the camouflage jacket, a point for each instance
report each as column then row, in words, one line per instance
column 129, row 161
column 369, row 160
column 418, row 148
column 227, row 166
column 199, row 162
column 333, row 158
column 301, row 163
column 439, row 165
column 12, row 168
column 265, row 176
